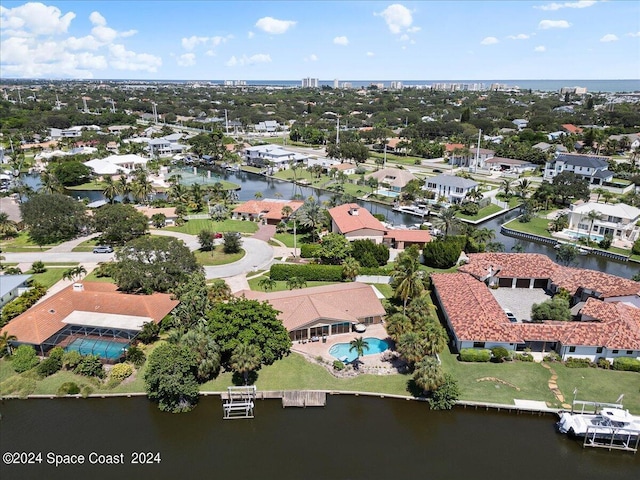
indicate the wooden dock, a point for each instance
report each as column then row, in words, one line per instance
column 304, row 399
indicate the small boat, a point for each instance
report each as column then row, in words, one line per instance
column 610, row 424
column 412, row 210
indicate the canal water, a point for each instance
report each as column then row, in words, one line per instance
column 351, row 438
column 251, row 183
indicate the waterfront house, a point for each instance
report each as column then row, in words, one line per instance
column 471, row 157
column 594, row 168
column 509, row 165
column 168, row 212
column 12, row 286
column 116, row 164
column 608, row 307
column 268, row 210
column 403, row 238
column 619, row 220
column 392, row 179
column 453, row 188
column 323, row 311
column 272, row 156
column 88, row 312
column 356, row 223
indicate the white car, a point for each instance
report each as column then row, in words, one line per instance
column 512, row 318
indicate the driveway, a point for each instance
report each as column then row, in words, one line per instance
column 259, row 256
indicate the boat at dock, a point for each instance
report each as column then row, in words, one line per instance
column 412, row 210
column 609, row 426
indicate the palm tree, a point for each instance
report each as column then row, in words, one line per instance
column 607, row 195
column 410, row 346
column 245, row 358
column 435, row 339
column 350, row 268
column 523, row 187
column 506, row 187
column 311, row 215
column 218, row 212
column 110, row 190
column 267, row 284
column 50, row 183
column 447, row 220
column 258, row 195
column 124, row 188
column 407, row 277
column 397, row 325
column 8, row 228
column 359, row 345
column 5, row 342
column 141, row 187
column 296, row 282
column 74, row 273
column 207, row 352
column 599, row 191
column 286, row 211
column 428, row 374
column 218, row 291
column 483, row 235
column 593, row 215
column 197, row 197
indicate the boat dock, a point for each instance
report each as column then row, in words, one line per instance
column 306, row 398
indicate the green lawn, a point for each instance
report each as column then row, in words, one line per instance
column 22, row 243
column 287, row 239
column 281, row 285
column 385, row 289
column 52, row 276
column 483, row 212
column 218, row 257
column 537, row 226
column 194, row 227
column 247, row 168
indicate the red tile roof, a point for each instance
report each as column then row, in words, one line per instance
column 450, row 147
column 269, row 208
column 510, row 265
column 473, row 312
column 608, row 285
column 569, row 127
column 351, row 217
column 412, row 236
column 346, row 302
column 46, row 318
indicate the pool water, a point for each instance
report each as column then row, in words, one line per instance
column 341, row 350
column 92, row 346
column 577, row 235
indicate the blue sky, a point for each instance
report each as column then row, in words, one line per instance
column 347, row 40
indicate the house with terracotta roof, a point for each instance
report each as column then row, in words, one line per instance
column 571, row 129
column 607, row 324
column 92, row 314
column 404, row 238
column 168, row 212
column 393, row 179
column 356, row 223
column 323, row 311
column 268, row 210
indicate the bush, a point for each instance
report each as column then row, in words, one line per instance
column 135, row 355
column 604, row 363
column 71, row 359
column 573, row 362
column 38, row 267
column 446, row 395
column 499, row 354
column 149, row 332
column 90, row 366
column 443, row 253
column 556, row 308
column 22, row 303
column 309, row 273
column 475, row 355
column 86, row 391
column 24, row 358
column 369, row 254
column 626, row 364
column 309, row 250
column 470, row 208
column 524, row 357
column 605, row 243
column 636, row 247
column 338, row 365
column 68, row 388
column 232, row 242
column 118, row 373
column 49, row 366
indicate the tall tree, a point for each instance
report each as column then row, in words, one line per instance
column 53, row 218
column 8, row 228
column 207, row 353
column 407, row 276
column 245, row 359
column 592, row 216
column 110, row 190
column 358, row 344
column 428, row 374
column 120, row 223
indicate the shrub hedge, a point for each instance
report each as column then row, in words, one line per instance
column 475, row 355
column 316, row 273
column 309, row 250
column 626, row 364
column 573, row 362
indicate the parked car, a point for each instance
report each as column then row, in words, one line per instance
column 512, row 318
column 103, row 249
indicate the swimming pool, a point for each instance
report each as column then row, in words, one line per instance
column 341, row 350
column 577, row 235
column 109, row 349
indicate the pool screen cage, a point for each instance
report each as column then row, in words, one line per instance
column 108, row 343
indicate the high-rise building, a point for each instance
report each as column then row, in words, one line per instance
column 336, row 83
column 309, row 82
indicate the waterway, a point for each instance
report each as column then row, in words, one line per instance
column 251, row 183
column 351, row 438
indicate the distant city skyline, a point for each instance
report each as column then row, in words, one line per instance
column 344, row 40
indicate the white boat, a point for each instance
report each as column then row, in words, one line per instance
column 412, row 210
column 609, row 423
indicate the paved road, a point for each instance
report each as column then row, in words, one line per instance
column 259, row 256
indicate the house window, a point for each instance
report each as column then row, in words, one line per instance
column 614, row 351
column 478, row 344
column 599, row 350
column 572, row 349
column 629, row 352
column 459, row 190
column 368, row 320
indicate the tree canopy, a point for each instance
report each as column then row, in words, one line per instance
column 120, row 223
column 153, row 264
column 53, row 218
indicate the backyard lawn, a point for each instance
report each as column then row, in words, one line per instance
column 194, row 227
column 280, row 285
column 483, row 212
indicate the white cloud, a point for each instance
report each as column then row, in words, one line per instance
column 404, row 37
column 341, row 41
column 274, row 26
column 609, row 37
column 547, row 24
column 520, row 36
column 123, row 59
column 187, row 60
column 370, row 54
column 540, row 48
column 34, row 19
column 558, row 6
column 245, row 60
column 189, row 43
column 250, row 35
column 489, row 41
column 97, row 19
column 413, row 29
column 632, row 34
column 311, row 58
column 398, row 18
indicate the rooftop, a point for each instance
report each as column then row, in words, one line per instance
column 351, row 217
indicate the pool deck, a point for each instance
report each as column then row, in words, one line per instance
column 368, row 363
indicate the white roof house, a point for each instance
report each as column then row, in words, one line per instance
column 276, row 157
column 115, row 164
column 453, row 188
column 618, row 220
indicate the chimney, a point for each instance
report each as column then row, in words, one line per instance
column 353, row 211
column 78, row 287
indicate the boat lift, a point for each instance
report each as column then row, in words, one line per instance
column 240, row 402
